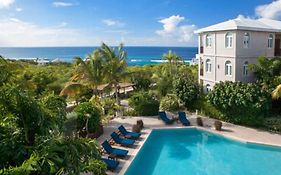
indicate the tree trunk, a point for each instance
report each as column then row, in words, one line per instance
column 87, row 127
column 116, row 94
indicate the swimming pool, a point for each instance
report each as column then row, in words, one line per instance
column 197, row 152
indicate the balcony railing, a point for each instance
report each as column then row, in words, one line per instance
column 201, row 49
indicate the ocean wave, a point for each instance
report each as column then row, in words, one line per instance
column 136, row 60
column 22, row 58
column 165, row 61
column 158, row 61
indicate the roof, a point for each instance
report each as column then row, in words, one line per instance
column 120, row 85
column 241, row 23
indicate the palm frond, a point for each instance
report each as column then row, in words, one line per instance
column 276, row 94
column 71, row 89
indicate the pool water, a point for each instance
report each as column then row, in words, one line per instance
column 196, row 152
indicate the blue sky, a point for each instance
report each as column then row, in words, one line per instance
column 133, row 22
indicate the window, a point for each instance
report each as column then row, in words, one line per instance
column 208, row 40
column 208, row 65
column 245, row 68
column 270, row 41
column 208, row 88
column 246, row 40
column 228, row 40
column 228, row 68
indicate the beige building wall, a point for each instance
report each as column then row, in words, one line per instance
column 239, row 76
column 218, row 54
column 257, row 45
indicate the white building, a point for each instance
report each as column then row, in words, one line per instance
column 226, row 49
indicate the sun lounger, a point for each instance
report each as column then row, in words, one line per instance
column 164, row 117
column 111, row 164
column 114, row 151
column 183, row 119
column 121, row 141
column 127, row 134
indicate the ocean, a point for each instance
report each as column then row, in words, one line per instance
column 136, row 55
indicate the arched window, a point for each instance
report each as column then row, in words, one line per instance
column 208, row 65
column 228, row 40
column 208, row 88
column 270, row 41
column 228, row 68
column 245, row 68
column 246, row 40
column 208, row 40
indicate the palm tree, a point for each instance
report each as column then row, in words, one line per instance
column 276, row 94
column 86, row 73
column 172, row 59
column 114, row 66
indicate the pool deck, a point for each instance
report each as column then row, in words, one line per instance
column 240, row 133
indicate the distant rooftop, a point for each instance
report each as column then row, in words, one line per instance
column 241, row 23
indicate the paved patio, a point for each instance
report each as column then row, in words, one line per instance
column 240, row 133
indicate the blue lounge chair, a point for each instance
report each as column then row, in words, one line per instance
column 123, row 142
column 114, row 151
column 127, row 134
column 164, row 117
column 111, row 164
column 183, row 119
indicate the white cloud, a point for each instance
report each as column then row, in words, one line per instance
column 21, row 33
column 19, row 9
column 172, row 30
column 6, row 3
column 111, row 22
column 271, row 10
column 62, row 4
column 122, row 32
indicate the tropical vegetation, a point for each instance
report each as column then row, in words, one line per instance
column 48, row 112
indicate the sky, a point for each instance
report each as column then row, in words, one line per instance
column 37, row 23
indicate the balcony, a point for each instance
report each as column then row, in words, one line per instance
column 201, row 49
column 277, row 49
column 201, row 72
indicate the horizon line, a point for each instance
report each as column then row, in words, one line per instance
column 90, row 46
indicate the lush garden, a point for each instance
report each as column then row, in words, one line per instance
column 39, row 136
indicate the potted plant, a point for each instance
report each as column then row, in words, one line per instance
column 136, row 128
column 218, row 125
column 140, row 123
column 199, row 121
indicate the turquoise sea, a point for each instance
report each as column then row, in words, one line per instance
column 136, row 55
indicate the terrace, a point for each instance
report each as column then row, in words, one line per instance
column 243, row 134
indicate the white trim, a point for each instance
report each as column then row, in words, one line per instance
column 208, row 40
column 246, row 42
column 208, row 65
column 228, row 68
column 272, row 41
column 228, row 40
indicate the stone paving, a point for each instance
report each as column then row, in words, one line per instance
column 240, row 133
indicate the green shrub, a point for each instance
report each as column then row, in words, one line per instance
column 141, row 82
column 70, row 125
column 169, row 103
column 109, row 105
column 273, row 124
column 240, row 103
column 187, row 90
column 164, row 85
column 144, row 103
column 88, row 115
column 205, row 108
column 62, row 156
column 55, row 106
